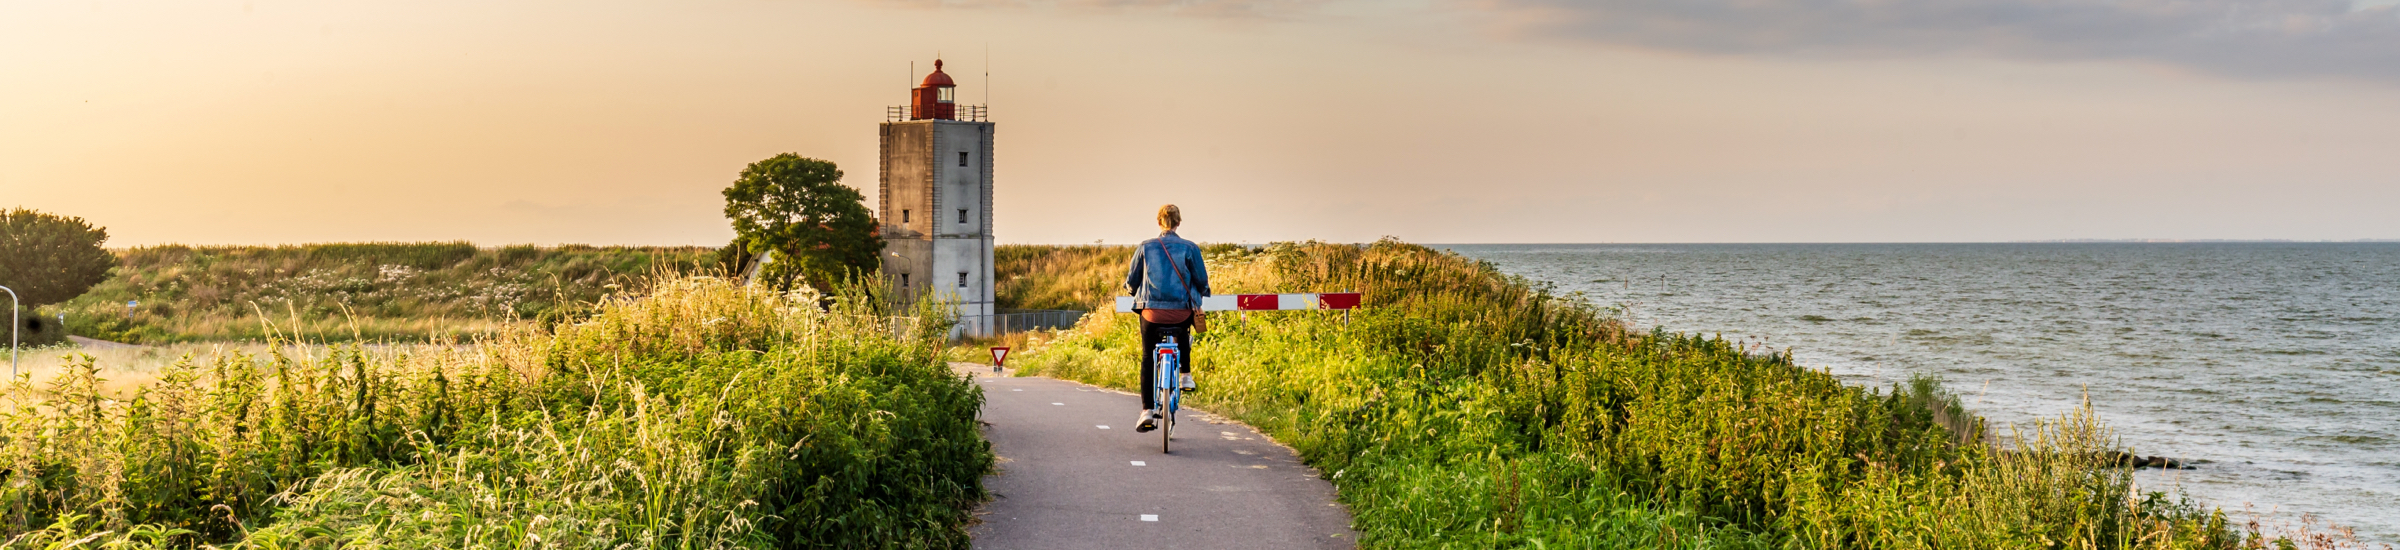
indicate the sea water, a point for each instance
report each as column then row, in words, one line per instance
column 2275, row 365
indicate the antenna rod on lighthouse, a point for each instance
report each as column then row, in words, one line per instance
column 987, row 80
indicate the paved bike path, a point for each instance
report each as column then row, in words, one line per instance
column 1066, row 482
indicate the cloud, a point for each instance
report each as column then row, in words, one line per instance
column 2260, row 38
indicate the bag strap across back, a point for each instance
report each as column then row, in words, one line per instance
column 1188, row 289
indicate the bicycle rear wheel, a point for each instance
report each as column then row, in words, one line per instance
column 1169, row 397
column 1166, row 417
column 1166, row 434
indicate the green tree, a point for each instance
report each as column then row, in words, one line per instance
column 48, row 258
column 795, row 206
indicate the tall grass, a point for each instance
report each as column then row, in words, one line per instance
column 1462, row 407
column 363, row 291
column 1058, row 277
column 1079, row 277
column 697, row 415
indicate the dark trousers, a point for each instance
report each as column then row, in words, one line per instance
column 1151, row 334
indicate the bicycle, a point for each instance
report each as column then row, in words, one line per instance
column 1167, row 391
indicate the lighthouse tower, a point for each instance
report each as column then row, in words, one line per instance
column 936, row 200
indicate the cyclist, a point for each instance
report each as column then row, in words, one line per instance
column 1167, row 280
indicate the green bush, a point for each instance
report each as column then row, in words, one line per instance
column 50, row 258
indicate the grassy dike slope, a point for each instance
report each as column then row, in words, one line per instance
column 1466, row 408
column 346, row 291
column 696, row 415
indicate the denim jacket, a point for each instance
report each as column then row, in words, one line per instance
column 1154, row 281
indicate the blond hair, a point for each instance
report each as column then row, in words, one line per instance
column 1170, row 217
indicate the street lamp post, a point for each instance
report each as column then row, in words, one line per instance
column 13, row 326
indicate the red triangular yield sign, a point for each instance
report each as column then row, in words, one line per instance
column 999, row 356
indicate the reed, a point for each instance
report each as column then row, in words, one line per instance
column 698, row 414
column 1463, row 407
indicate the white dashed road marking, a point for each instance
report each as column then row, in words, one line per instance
column 1048, row 480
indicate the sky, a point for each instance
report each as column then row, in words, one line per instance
column 618, row 122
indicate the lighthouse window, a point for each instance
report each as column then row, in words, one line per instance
column 904, row 279
column 904, row 216
column 948, row 94
column 962, row 158
column 962, row 215
column 962, row 279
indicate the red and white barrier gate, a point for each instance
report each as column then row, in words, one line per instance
column 1265, row 302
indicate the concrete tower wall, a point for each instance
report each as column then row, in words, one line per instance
column 936, row 189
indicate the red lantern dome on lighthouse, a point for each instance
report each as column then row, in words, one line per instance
column 936, row 98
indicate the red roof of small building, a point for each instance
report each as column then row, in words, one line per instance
column 937, row 79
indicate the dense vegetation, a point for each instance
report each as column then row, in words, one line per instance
column 820, row 231
column 697, row 415
column 1466, row 408
column 1080, row 277
column 366, row 291
column 47, row 258
column 1083, row 278
column 44, row 259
